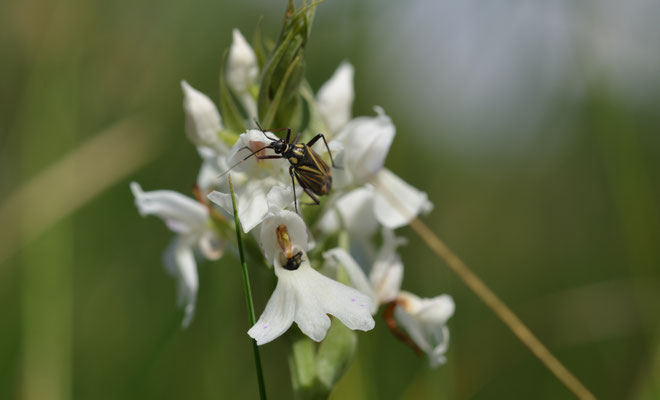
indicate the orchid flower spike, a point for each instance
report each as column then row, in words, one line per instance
column 303, row 295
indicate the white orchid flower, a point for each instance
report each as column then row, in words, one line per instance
column 203, row 121
column 190, row 221
column 335, row 98
column 213, row 165
column 396, row 203
column 425, row 321
column 389, row 201
column 366, row 142
column 353, row 212
column 385, row 198
column 385, row 275
column 242, row 71
column 303, row 295
column 256, row 178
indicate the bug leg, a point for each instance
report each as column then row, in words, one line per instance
column 288, row 135
column 310, row 194
column 268, row 157
column 322, row 136
column 268, row 130
column 295, row 141
column 293, row 186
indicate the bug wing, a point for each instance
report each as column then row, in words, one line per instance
column 313, row 180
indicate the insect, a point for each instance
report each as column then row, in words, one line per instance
column 312, row 173
column 293, row 262
column 288, row 260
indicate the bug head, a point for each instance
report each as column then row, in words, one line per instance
column 279, row 146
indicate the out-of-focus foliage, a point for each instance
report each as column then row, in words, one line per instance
column 534, row 129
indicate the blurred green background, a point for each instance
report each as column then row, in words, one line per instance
column 533, row 126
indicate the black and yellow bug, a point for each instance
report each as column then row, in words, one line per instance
column 312, row 173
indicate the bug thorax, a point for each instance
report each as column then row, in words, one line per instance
column 279, row 146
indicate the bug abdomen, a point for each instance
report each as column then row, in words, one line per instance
column 312, row 179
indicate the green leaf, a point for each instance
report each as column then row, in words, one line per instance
column 335, row 354
column 278, row 99
column 258, row 45
column 266, row 91
column 302, row 364
column 228, row 137
column 269, row 117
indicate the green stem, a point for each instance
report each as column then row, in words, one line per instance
column 248, row 293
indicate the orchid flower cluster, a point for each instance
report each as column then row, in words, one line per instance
column 327, row 263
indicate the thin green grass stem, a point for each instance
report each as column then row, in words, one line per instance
column 248, row 293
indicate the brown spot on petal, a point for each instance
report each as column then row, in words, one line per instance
column 254, row 146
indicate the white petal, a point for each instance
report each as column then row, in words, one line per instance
column 278, row 315
column 437, row 355
column 253, row 207
column 182, row 214
column 210, row 245
column 223, row 200
column 242, row 68
column 355, row 213
column 247, row 143
column 310, row 315
column 307, row 297
column 367, row 141
column 268, row 235
column 405, row 314
column 180, row 261
column 408, row 202
column 203, row 120
column 318, row 295
column 242, row 71
column 437, row 310
column 425, row 322
column 252, row 204
column 212, row 166
column 279, row 198
column 387, row 272
column 335, row 98
column 355, row 273
column 329, row 222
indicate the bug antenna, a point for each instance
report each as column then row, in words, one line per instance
column 240, row 161
column 263, row 131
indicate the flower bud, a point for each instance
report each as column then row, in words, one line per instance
column 203, row 120
column 242, row 68
column 335, row 98
column 242, row 71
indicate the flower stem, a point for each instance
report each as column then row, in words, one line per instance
column 491, row 300
column 248, row 293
